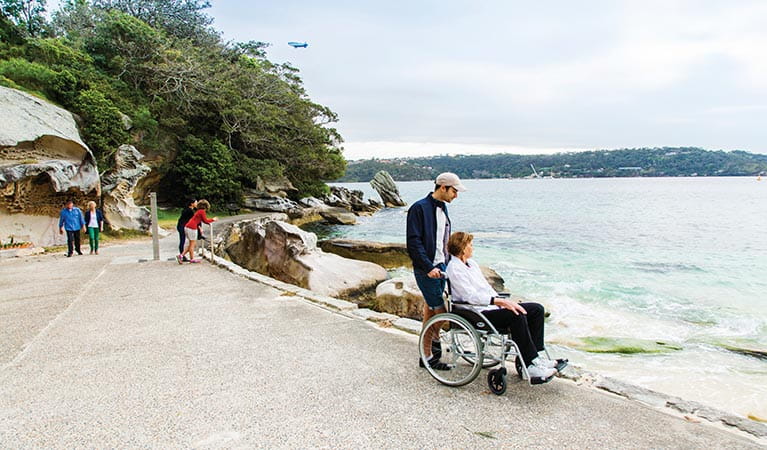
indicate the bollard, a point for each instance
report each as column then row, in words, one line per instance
column 210, row 239
column 155, row 228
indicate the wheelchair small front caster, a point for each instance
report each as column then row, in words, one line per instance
column 496, row 381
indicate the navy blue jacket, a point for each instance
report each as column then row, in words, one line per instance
column 422, row 232
column 99, row 217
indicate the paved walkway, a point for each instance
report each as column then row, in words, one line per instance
column 105, row 351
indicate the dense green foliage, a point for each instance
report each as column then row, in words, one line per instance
column 213, row 117
column 645, row 162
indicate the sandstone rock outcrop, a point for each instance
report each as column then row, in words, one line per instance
column 400, row 296
column 384, row 184
column 384, row 254
column 120, row 210
column 261, row 201
column 287, row 253
column 338, row 216
column 350, row 199
column 43, row 161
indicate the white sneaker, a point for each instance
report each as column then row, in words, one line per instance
column 536, row 371
column 545, row 363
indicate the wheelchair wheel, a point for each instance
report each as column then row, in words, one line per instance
column 491, row 354
column 496, row 381
column 461, row 349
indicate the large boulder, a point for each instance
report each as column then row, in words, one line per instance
column 287, row 253
column 400, row 296
column 384, row 184
column 43, row 161
column 338, row 216
column 118, row 184
column 389, row 255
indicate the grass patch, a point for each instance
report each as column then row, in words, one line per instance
column 167, row 218
column 118, row 235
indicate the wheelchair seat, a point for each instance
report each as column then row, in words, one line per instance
column 474, row 318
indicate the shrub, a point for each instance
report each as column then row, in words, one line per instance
column 103, row 130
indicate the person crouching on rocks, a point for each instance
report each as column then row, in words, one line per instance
column 94, row 220
column 190, row 229
column 470, row 290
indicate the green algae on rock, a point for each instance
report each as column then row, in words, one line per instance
column 596, row 344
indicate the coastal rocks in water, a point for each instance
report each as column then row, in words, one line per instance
column 119, row 183
column 596, row 344
column 744, row 347
column 350, row 199
column 43, row 162
column 338, row 216
column 384, row 184
column 389, row 255
column 287, row 253
column 493, row 277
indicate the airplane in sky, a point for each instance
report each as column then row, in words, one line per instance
column 298, row 44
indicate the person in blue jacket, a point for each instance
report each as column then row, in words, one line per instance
column 71, row 220
column 428, row 229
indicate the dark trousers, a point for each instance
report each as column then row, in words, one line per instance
column 181, row 239
column 525, row 329
column 73, row 239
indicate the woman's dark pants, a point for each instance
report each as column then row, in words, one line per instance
column 525, row 329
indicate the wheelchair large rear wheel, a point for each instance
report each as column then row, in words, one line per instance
column 461, row 349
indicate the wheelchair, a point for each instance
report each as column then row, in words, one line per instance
column 469, row 343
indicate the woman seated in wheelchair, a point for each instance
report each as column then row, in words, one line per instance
column 524, row 321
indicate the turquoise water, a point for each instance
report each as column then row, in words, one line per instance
column 682, row 260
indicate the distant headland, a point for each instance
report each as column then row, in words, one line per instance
column 635, row 162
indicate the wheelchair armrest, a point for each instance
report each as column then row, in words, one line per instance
column 504, row 295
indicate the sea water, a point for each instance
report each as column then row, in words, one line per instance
column 677, row 260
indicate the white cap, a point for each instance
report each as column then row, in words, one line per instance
column 450, row 179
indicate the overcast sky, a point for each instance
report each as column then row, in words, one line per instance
column 410, row 78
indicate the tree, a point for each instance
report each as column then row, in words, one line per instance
column 28, row 15
column 180, row 18
column 205, row 169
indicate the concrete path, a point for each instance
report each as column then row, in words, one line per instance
column 105, row 351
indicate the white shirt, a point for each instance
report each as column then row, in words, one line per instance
column 94, row 222
column 468, row 285
column 439, row 254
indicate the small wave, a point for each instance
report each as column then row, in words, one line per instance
column 666, row 267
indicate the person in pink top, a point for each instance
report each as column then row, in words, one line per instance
column 190, row 229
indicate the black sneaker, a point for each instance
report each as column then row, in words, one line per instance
column 434, row 363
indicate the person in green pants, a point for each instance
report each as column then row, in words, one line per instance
column 94, row 220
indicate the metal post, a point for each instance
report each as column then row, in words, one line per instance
column 155, row 227
column 211, row 240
